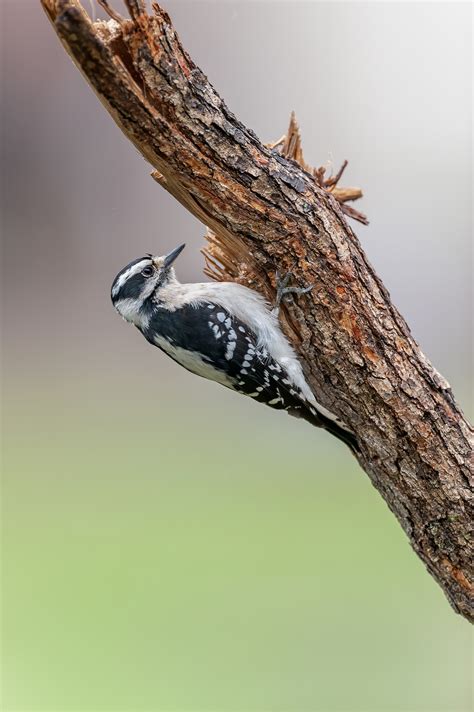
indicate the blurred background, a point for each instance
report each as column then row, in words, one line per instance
column 168, row 545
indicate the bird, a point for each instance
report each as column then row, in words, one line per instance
column 222, row 331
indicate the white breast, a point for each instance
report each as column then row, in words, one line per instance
column 193, row 361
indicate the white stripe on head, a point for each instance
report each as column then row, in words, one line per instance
column 134, row 269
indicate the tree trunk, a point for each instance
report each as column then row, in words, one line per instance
column 267, row 213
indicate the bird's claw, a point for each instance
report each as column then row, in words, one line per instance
column 283, row 289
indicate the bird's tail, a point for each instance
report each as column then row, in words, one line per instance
column 321, row 421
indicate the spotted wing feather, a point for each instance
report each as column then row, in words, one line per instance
column 224, row 343
column 259, row 376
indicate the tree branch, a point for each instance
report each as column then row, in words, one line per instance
column 266, row 212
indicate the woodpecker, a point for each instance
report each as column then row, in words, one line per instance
column 222, row 331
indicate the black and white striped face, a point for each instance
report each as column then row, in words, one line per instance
column 136, row 283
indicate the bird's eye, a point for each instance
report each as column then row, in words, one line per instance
column 147, row 271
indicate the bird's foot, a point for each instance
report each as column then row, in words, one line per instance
column 284, row 290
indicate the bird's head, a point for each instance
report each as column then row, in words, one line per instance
column 140, row 280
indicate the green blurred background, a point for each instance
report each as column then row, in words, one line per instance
column 167, row 545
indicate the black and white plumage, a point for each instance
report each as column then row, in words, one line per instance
column 221, row 331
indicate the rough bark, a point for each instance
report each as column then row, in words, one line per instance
column 266, row 212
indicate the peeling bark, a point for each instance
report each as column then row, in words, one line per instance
column 266, row 212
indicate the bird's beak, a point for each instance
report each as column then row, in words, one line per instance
column 171, row 256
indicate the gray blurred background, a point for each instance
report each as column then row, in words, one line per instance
column 110, row 447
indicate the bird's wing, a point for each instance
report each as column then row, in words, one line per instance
column 208, row 340
column 256, row 374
